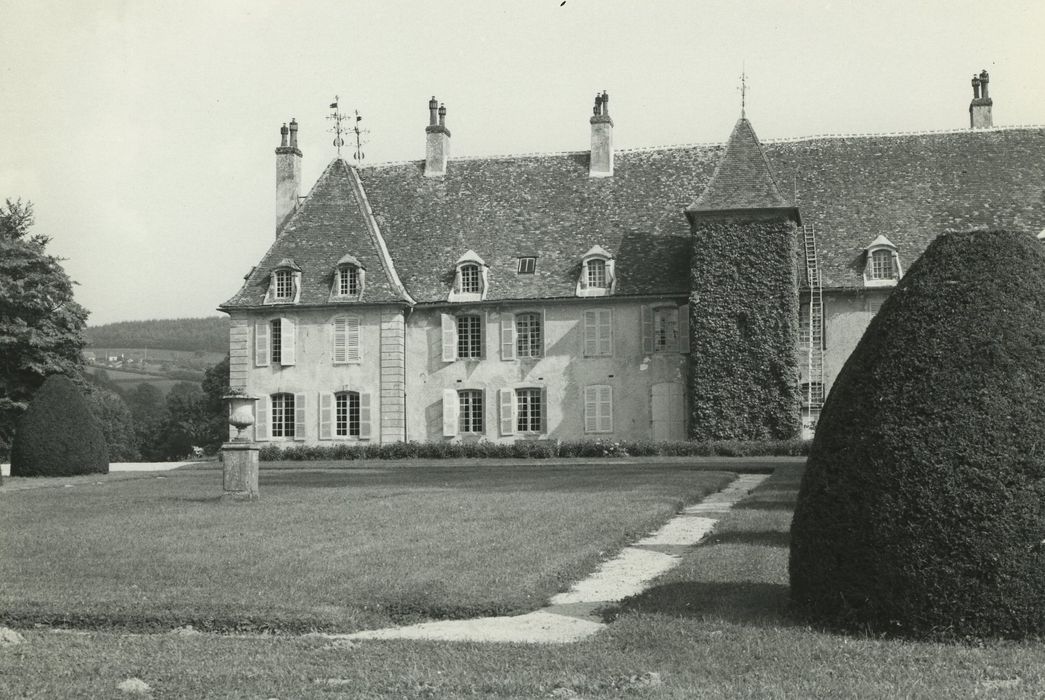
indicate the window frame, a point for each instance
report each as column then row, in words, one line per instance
column 529, row 338
column 471, row 279
column 276, row 341
column 527, row 265
column 873, row 270
column 471, row 410
column 282, row 404
column 661, row 342
column 348, row 422
column 473, row 340
column 525, row 420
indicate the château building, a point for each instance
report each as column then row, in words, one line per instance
column 648, row 294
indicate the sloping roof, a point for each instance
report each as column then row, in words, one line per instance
column 742, row 179
column 909, row 188
column 328, row 225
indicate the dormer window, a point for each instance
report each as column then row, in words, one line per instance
column 471, row 278
column 882, row 267
column 598, row 277
column 349, row 279
column 284, row 283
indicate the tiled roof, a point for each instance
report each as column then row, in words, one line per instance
column 328, row 225
column 742, row 179
column 908, row 188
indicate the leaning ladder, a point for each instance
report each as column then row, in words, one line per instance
column 815, row 385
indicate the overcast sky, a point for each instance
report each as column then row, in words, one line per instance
column 143, row 131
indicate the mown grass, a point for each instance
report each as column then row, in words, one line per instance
column 716, row 627
column 324, row 549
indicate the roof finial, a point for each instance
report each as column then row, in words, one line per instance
column 743, row 91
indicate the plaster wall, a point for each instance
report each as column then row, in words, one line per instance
column 846, row 317
column 563, row 372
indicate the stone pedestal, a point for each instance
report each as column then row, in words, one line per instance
column 240, row 473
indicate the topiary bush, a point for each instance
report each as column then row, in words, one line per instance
column 57, row 435
column 922, row 508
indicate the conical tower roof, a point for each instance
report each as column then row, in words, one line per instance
column 742, row 180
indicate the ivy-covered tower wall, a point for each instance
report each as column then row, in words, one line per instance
column 743, row 374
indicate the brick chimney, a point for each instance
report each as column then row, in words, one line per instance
column 601, row 164
column 980, row 107
column 288, row 174
column 437, row 146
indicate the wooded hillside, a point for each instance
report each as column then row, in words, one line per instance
column 207, row 334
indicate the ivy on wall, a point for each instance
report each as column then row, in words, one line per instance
column 743, row 372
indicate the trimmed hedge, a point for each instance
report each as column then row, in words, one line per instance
column 524, row 449
column 922, row 508
column 743, row 369
column 57, row 435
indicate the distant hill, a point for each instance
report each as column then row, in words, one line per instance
column 190, row 334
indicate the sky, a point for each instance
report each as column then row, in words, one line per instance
column 143, row 131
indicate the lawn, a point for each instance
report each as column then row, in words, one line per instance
column 716, row 627
column 325, row 548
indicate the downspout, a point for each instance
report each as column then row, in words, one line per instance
column 407, row 311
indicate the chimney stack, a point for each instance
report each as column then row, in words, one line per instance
column 288, row 174
column 980, row 107
column 601, row 164
column 437, row 146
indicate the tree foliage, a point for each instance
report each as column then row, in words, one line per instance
column 57, row 435
column 41, row 325
column 112, row 412
column 922, row 507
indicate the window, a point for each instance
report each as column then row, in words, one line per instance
column 598, row 333
column 881, row 265
column 804, row 329
column 276, row 334
column 348, row 280
column 527, row 265
column 284, row 285
column 598, row 409
column 597, row 274
column 528, row 336
column 470, row 413
column 529, row 410
column 469, row 337
column 346, row 414
column 812, row 394
column 274, row 342
column 283, row 415
column 470, row 279
column 666, row 329
column 346, row 339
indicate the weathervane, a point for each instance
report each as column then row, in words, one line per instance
column 339, row 130
column 743, row 91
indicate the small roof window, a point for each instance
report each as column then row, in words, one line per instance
column 527, row 265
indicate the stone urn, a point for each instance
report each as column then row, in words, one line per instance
column 241, row 412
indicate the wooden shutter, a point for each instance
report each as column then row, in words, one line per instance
column 591, row 406
column 684, row 329
column 288, row 356
column 605, row 332
column 647, row 329
column 340, row 341
column 300, row 416
column 261, row 343
column 450, row 411
column 352, row 345
column 364, row 416
column 591, row 333
column 326, row 415
column 449, row 338
column 507, row 412
column 605, row 399
column 507, row 336
column 261, row 419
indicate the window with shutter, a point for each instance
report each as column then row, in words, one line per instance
column 261, row 343
column 283, row 415
column 287, row 331
column 449, row 333
column 346, row 339
column 276, row 340
column 529, row 410
column 529, row 340
column 300, row 416
column 450, row 409
column 598, row 409
column 507, row 401
column 666, row 329
column 469, row 337
column 346, row 407
column 598, row 332
column 470, row 415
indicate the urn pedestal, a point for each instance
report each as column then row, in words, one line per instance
column 240, row 455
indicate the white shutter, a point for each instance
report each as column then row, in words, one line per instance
column 352, row 346
column 591, row 332
column 507, row 336
column 584, row 275
column 605, row 332
column 647, row 329
column 507, row 412
column 326, row 415
column 339, row 340
column 300, row 416
column 449, row 338
column 591, row 406
column 605, row 409
column 364, row 416
column 450, row 410
column 289, row 345
column 684, row 329
column 261, row 343
column 261, row 419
